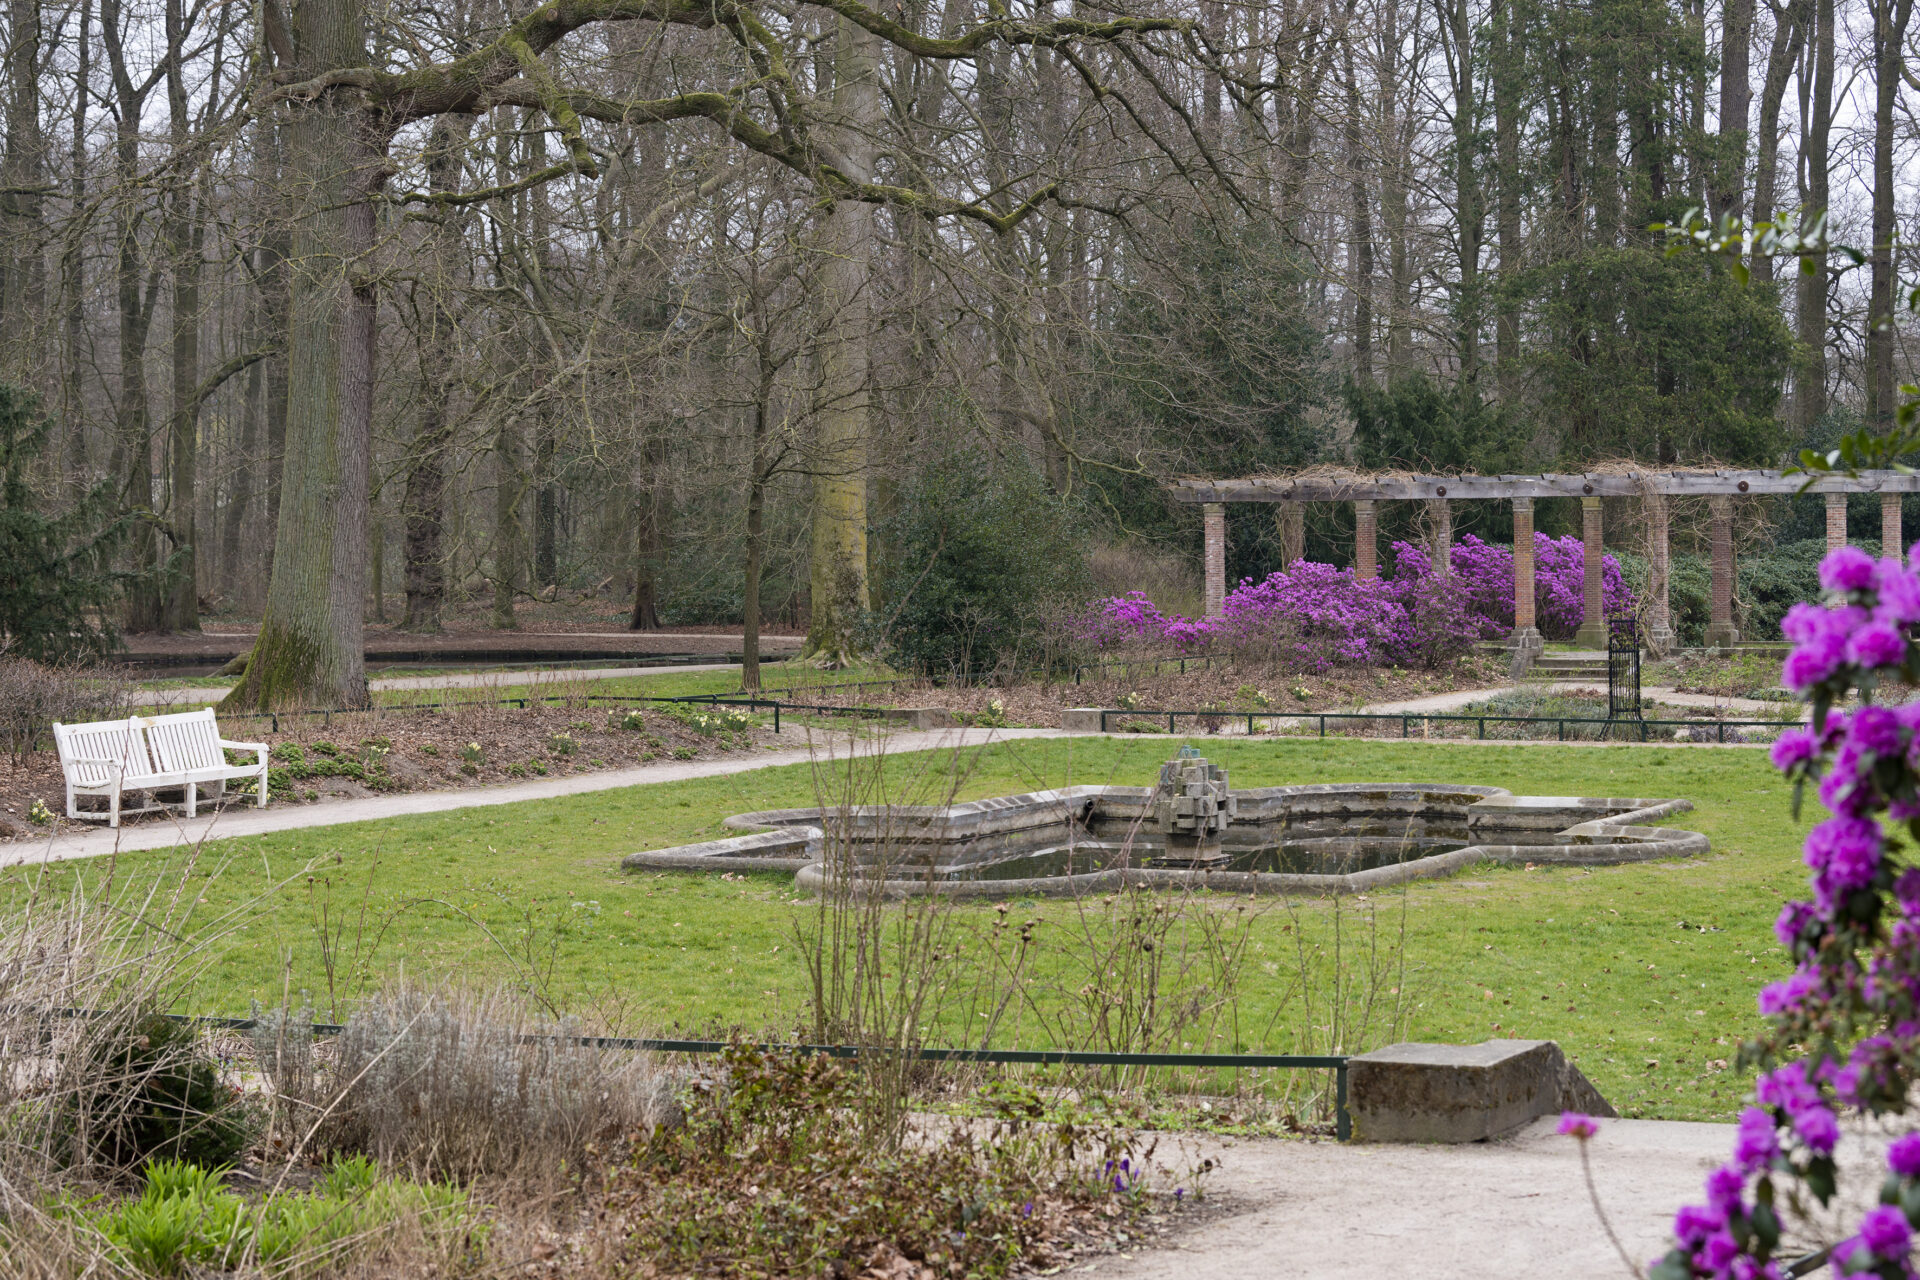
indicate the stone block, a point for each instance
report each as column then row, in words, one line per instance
column 921, row 717
column 1463, row 1093
column 1081, row 720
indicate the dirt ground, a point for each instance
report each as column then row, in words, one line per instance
column 1227, row 687
column 360, row 754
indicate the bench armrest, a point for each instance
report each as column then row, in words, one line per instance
column 243, row 746
column 108, row 760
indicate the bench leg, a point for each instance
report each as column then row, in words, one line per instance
column 113, row 809
column 261, row 790
column 193, row 798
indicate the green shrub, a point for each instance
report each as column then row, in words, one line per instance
column 772, row 1167
column 187, row 1222
column 562, row 744
column 154, row 1092
column 630, row 720
column 980, row 558
column 1773, row 583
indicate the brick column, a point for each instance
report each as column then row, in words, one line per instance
column 1526, row 640
column 1660, row 637
column 1442, row 513
column 1213, row 517
column 1836, row 521
column 1593, row 621
column 1721, row 633
column 1366, row 541
column 1890, row 538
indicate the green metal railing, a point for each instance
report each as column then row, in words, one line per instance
column 1336, row 1063
column 1406, row 721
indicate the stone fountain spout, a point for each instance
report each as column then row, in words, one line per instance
column 1191, row 809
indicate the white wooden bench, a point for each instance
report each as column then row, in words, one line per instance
column 113, row 758
column 108, row 758
column 187, row 744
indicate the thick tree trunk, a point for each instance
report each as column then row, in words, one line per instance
column 310, row 650
column 1469, row 212
column 1508, row 76
column 649, row 535
column 546, row 516
column 510, row 482
column 838, row 548
column 1736, row 101
column 1783, row 53
column 256, row 407
column 756, row 549
column 423, row 503
column 73, row 281
column 133, row 428
column 1890, row 19
column 1810, row 378
column 1359, row 219
column 183, row 234
column 22, row 170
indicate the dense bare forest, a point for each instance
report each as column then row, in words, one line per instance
column 357, row 309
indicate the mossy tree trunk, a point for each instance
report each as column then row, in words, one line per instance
column 838, row 546
column 310, row 648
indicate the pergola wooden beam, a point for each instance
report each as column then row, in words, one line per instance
column 1608, row 484
column 1720, row 487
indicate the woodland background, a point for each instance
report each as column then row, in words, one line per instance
column 638, row 359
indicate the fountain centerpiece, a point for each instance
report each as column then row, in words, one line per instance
column 1190, row 829
column 1191, row 810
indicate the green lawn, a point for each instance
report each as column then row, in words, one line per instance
column 1646, row 974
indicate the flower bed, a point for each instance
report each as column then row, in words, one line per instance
column 1313, row 617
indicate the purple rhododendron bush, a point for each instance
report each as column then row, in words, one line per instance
column 1843, row 1032
column 1313, row 617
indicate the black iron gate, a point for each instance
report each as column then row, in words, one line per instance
column 1623, row 672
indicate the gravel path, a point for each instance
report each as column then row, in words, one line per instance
column 245, row 820
column 1517, row 1209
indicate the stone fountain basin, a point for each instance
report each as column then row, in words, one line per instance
column 1411, row 832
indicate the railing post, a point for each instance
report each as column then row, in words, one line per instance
column 1342, row 1122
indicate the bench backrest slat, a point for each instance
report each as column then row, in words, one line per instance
column 185, row 741
column 118, row 740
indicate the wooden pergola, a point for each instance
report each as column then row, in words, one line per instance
column 1721, row 488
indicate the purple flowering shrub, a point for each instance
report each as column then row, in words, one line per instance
column 1850, row 1012
column 1313, row 617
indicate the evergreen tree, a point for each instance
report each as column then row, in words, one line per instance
column 56, row 571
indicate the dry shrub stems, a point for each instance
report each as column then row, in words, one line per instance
column 33, row 695
column 463, row 1085
column 1132, row 970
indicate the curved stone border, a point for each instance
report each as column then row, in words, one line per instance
column 796, row 840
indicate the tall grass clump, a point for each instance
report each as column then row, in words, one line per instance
column 453, row 1084
column 93, row 1082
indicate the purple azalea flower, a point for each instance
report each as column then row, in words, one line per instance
column 1875, row 728
column 1903, row 1157
column 1791, row 747
column 1574, row 1124
column 1756, row 1143
column 1878, row 644
column 1886, row 1232
column 1694, row 1223
column 1847, row 569
column 1792, row 922
column 1818, row 1128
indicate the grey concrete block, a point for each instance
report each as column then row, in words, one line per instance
column 1080, row 720
column 921, row 717
column 1463, row 1093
